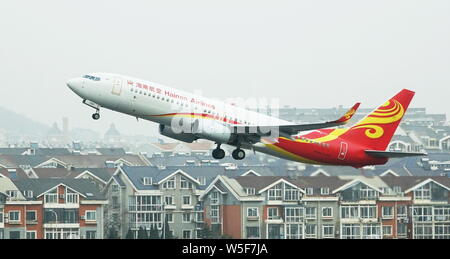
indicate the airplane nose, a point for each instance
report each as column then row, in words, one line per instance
column 74, row 83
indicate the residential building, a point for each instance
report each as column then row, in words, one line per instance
column 54, row 209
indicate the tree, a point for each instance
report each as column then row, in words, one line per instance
column 142, row 233
column 130, row 234
column 154, row 232
column 112, row 234
column 166, row 233
column 206, row 232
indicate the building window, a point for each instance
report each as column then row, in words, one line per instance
column 349, row 212
column 169, row 217
column 186, row 200
column 387, row 230
column 402, row 211
column 252, row 212
column 272, row 213
column 253, row 232
column 91, row 234
column 169, row 184
column 14, row 216
column 368, row 212
column 423, row 231
column 72, row 198
column 187, row 234
column 367, row 193
column 250, row 191
column 115, row 202
column 31, row 234
column 328, row 231
column 388, row 212
column 91, row 215
column 14, row 235
column 294, row 231
column 114, row 187
column 293, row 215
column 442, row 213
column 185, row 184
column 309, row 191
column 214, row 211
column 423, row 193
column 291, row 193
column 168, row 200
column 324, row 191
column 187, row 217
column 310, row 231
column 31, row 216
column 402, row 230
column 442, row 231
column 310, row 212
column 215, row 198
column 147, row 181
column 275, row 193
column 371, row 231
column 51, row 197
column 1, row 216
column 422, row 214
column 327, row 212
column 350, row 231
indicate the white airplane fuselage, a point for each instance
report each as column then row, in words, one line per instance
column 155, row 102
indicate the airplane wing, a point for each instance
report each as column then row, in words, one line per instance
column 289, row 130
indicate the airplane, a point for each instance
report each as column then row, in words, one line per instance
column 187, row 117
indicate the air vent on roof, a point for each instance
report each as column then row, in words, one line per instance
column 89, row 194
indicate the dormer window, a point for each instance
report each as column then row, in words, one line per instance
column 12, row 193
column 250, row 191
column 324, row 191
column 28, row 194
column 147, row 180
column 309, row 191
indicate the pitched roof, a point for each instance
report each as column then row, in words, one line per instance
column 19, row 173
column 39, row 186
column 407, row 182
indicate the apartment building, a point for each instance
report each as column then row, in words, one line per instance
column 54, row 209
column 428, row 214
column 7, row 190
column 273, row 207
column 145, row 196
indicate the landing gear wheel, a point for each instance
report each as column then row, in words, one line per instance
column 96, row 116
column 238, row 154
column 218, row 153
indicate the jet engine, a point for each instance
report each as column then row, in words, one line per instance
column 168, row 131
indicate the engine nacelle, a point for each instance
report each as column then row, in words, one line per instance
column 212, row 130
column 176, row 134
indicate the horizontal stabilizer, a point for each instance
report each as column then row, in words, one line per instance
column 390, row 154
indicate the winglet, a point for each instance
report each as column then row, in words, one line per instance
column 346, row 118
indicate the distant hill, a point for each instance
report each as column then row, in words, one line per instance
column 15, row 123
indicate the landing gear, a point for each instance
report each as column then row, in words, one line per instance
column 238, row 154
column 218, row 153
column 96, row 116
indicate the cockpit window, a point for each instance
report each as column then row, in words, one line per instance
column 92, row 77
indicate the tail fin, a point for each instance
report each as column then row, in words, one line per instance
column 375, row 131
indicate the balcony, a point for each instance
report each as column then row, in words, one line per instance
column 187, row 207
column 149, row 208
column 275, row 220
column 32, row 222
column 170, row 207
column 252, row 218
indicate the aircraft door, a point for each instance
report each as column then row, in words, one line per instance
column 343, row 151
column 117, row 86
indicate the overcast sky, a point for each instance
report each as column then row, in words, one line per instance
column 306, row 53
